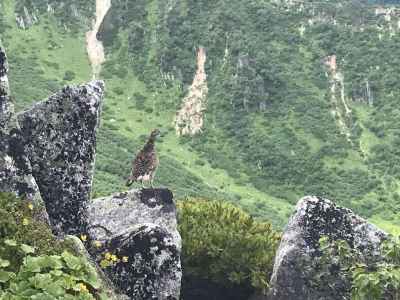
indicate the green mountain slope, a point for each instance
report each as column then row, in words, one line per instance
column 302, row 98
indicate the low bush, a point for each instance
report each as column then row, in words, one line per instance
column 225, row 245
column 69, row 76
column 34, row 264
column 377, row 278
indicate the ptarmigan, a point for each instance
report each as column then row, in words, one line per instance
column 145, row 164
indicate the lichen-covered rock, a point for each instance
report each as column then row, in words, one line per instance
column 152, row 270
column 59, row 138
column 141, row 226
column 6, row 163
column 314, row 218
column 5, row 104
column 15, row 169
column 122, row 210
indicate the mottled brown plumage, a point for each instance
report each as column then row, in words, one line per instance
column 145, row 164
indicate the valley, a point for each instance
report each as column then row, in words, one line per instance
column 268, row 135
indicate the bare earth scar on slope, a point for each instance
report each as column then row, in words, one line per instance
column 95, row 47
column 189, row 119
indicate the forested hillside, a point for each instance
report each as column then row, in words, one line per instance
column 298, row 97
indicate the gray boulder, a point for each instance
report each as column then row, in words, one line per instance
column 15, row 169
column 5, row 104
column 316, row 217
column 141, row 226
column 53, row 144
column 58, row 136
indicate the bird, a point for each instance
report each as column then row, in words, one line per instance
column 144, row 165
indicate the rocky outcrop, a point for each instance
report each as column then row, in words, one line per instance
column 5, row 104
column 140, row 229
column 59, row 139
column 316, row 217
column 15, row 169
column 53, row 144
column 51, row 148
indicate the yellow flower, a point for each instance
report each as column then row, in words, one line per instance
column 107, row 255
column 25, row 222
column 83, row 288
column 125, row 259
column 97, row 244
column 104, row 263
column 114, row 257
column 83, row 237
column 30, row 206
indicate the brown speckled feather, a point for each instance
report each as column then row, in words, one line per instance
column 145, row 163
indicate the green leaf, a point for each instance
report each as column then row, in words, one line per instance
column 27, row 249
column 4, row 263
column 57, row 273
column 55, row 289
column 73, row 262
column 32, row 264
column 11, row 243
column 5, row 276
column 28, row 292
column 19, row 287
column 93, row 280
column 40, row 281
column 43, row 296
column 53, row 262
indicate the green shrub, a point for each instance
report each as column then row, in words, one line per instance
column 69, row 76
column 369, row 280
column 34, row 264
column 149, row 110
column 118, row 90
column 121, row 72
column 44, row 277
column 225, row 245
column 199, row 162
column 17, row 223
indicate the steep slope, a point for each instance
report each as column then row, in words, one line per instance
column 281, row 117
column 50, row 52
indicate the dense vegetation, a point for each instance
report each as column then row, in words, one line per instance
column 34, row 264
column 223, row 244
column 373, row 279
column 270, row 134
column 269, row 121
